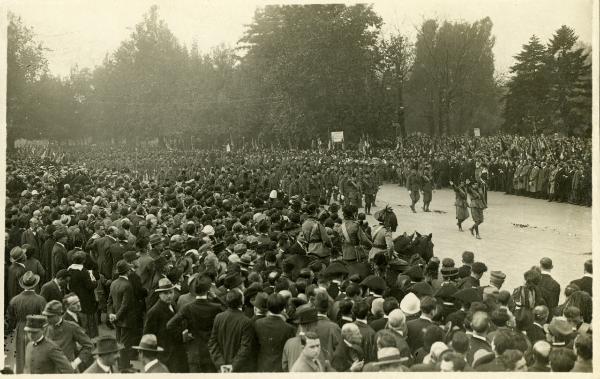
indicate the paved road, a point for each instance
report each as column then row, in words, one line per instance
column 517, row 232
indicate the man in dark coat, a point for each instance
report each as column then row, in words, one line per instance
column 15, row 272
column 550, row 287
column 472, row 281
column 32, row 237
column 100, row 248
column 122, row 310
column 115, row 253
column 59, row 252
column 197, row 319
column 83, row 285
column 148, row 353
column 536, row 331
column 502, row 342
column 585, row 282
column 417, row 326
column 55, row 289
column 232, row 339
column 156, row 323
column 272, row 333
column 477, row 340
column 467, row 258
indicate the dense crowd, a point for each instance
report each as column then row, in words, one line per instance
column 260, row 261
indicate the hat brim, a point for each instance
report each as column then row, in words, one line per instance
column 119, row 347
column 30, row 329
column 164, row 289
column 28, row 287
column 141, row 348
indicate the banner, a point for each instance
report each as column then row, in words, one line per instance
column 337, row 137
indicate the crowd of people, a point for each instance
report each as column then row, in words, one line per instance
column 261, row 261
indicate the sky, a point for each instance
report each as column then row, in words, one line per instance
column 78, row 32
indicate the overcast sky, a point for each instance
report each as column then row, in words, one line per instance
column 82, row 32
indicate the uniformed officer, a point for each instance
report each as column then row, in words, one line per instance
column 41, row 355
column 413, row 185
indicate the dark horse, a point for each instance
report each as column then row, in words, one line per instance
column 414, row 248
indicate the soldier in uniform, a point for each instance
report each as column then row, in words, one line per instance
column 462, row 206
column 41, row 355
column 427, row 188
column 369, row 185
column 354, row 239
column 413, row 185
column 477, row 206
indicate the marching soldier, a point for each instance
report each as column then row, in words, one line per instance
column 413, row 185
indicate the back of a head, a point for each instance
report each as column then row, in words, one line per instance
column 503, row 297
column 397, row 319
column 432, row 334
column 460, row 342
column 352, row 290
column 562, row 359
column 233, row 299
column 322, row 302
column 350, row 331
column 360, row 310
column 389, row 304
column 385, row 339
column 510, row 358
column 502, row 342
column 275, row 303
column 468, row 257
column 583, row 346
column 587, row 266
column 480, row 322
column 308, row 336
column 428, row 304
column 541, row 351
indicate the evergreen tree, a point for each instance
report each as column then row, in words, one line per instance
column 527, row 107
column 570, row 91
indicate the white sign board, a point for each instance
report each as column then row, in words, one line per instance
column 477, row 132
column 337, row 136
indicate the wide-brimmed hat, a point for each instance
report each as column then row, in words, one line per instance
column 560, row 327
column 421, row 289
column 164, row 284
column 35, row 323
column 106, row 345
column 335, row 269
column 232, row 280
column 374, row 283
column 449, row 272
column 53, row 308
column 149, row 342
column 260, row 300
column 17, row 254
column 29, row 280
column 306, row 314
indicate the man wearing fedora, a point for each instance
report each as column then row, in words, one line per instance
column 15, row 272
column 148, row 353
column 41, row 355
column 107, row 352
column 68, row 336
column 156, row 324
column 25, row 303
column 124, row 313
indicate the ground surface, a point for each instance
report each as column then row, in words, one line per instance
column 517, row 232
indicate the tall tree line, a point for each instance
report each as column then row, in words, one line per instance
column 299, row 72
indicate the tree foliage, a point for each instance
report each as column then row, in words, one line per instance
column 298, row 72
column 550, row 90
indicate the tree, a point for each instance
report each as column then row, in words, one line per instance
column 26, row 66
column 527, row 108
column 570, row 92
column 314, row 67
column 452, row 85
